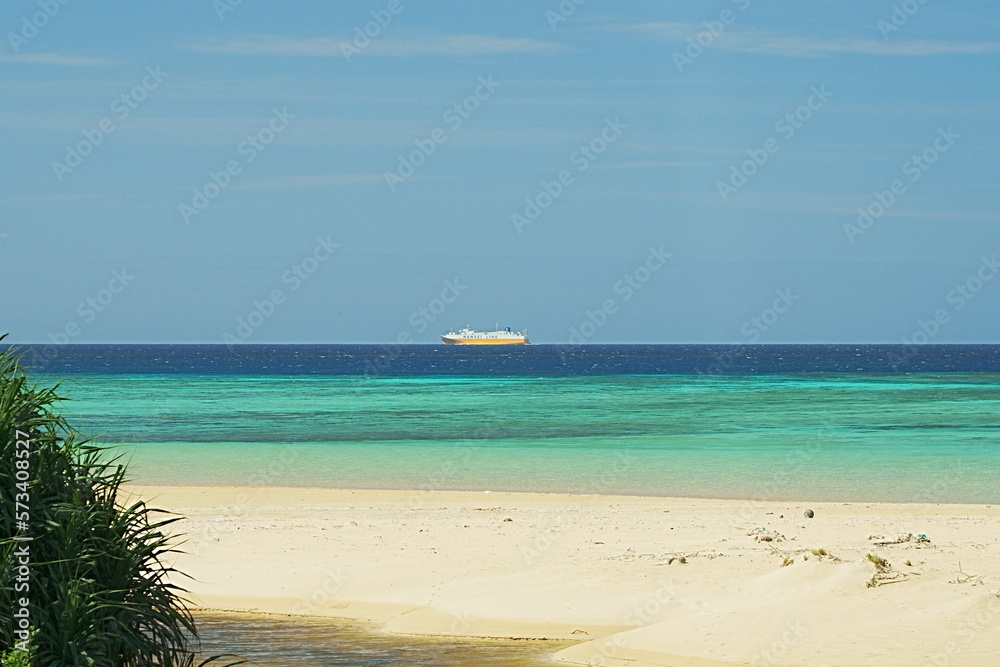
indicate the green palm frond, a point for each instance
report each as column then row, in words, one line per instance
column 100, row 591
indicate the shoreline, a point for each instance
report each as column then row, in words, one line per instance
column 637, row 580
column 742, row 500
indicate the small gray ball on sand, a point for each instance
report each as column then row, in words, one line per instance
column 809, row 514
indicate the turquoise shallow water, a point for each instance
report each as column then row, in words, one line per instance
column 919, row 437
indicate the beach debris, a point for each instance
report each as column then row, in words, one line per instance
column 881, row 564
column 667, row 558
column 788, row 557
column 963, row 578
column 762, row 534
column 884, row 574
column 823, row 554
column 508, row 519
column 682, row 558
column 809, row 514
column 919, row 538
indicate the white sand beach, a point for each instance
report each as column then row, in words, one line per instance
column 637, row 580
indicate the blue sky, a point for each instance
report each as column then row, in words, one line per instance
column 265, row 172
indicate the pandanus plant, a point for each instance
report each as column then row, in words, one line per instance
column 98, row 580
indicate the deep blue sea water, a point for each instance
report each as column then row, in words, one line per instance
column 540, row 360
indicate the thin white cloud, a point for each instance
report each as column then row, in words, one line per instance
column 325, row 47
column 54, row 59
column 750, row 40
column 651, row 164
column 309, row 181
column 50, row 198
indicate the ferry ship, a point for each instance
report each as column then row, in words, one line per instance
column 469, row 336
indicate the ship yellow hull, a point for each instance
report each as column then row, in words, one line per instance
column 484, row 341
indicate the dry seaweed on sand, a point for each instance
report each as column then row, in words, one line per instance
column 762, row 534
column 884, row 574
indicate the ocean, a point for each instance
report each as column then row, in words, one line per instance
column 763, row 422
column 842, row 422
